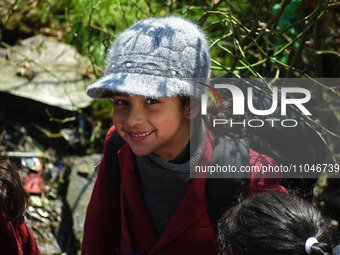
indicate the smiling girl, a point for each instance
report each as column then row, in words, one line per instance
column 156, row 208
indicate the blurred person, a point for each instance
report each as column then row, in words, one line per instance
column 15, row 237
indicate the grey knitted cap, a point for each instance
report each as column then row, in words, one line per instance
column 156, row 57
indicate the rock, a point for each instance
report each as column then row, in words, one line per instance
column 84, row 169
column 47, row 71
column 80, row 189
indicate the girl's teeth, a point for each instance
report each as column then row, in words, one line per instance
column 141, row 134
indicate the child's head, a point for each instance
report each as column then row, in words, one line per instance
column 13, row 197
column 160, row 126
column 151, row 71
column 274, row 223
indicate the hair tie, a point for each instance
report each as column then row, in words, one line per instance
column 309, row 243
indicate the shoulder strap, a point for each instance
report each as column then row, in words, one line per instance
column 222, row 191
column 115, row 143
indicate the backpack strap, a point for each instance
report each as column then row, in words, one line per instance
column 115, row 143
column 222, row 191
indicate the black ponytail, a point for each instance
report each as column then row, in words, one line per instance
column 273, row 223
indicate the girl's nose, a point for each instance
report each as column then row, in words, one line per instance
column 135, row 117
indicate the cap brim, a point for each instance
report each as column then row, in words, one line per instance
column 141, row 85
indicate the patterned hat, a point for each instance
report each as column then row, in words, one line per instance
column 156, row 57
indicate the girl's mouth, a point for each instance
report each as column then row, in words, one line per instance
column 139, row 136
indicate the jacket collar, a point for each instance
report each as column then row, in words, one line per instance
column 191, row 207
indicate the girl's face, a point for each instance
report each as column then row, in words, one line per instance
column 161, row 126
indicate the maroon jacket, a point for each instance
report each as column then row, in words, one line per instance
column 16, row 238
column 129, row 231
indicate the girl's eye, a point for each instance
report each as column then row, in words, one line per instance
column 120, row 102
column 151, row 101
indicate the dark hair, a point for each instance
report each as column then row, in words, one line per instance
column 223, row 111
column 184, row 100
column 13, row 197
column 273, row 223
